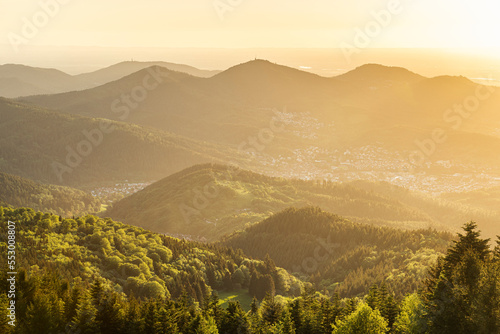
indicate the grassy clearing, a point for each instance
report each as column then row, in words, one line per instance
column 240, row 295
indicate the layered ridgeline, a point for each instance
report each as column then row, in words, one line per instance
column 59, row 148
column 120, row 70
column 20, row 192
column 338, row 255
column 137, row 262
column 20, row 80
column 209, row 201
column 373, row 105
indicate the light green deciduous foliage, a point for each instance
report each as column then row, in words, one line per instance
column 409, row 321
column 363, row 320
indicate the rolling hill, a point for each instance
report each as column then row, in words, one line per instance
column 19, row 192
column 342, row 256
column 20, row 80
column 58, row 148
column 210, row 201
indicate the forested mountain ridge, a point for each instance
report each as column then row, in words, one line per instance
column 58, row 148
column 338, row 255
column 209, row 201
column 18, row 192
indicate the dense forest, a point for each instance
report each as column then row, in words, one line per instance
column 338, row 255
column 136, row 261
column 114, row 278
column 210, row 201
column 64, row 201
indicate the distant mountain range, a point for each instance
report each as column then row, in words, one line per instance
column 265, row 117
column 20, row 80
column 120, row 70
column 386, row 107
column 210, row 201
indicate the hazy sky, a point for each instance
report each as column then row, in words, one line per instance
column 71, row 34
column 255, row 23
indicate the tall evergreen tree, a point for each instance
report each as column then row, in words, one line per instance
column 84, row 320
column 452, row 289
column 234, row 320
column 271, row 310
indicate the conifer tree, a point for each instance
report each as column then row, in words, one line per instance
column 271, row 310
column 84, row 320
column 234, row 320
column 133, row 318
column 453, row 287
column 287, row 323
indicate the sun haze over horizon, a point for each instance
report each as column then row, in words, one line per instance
column 92, row 34
column 257, row 23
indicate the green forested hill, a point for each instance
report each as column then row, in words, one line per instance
column 212, row 200
column 18, row 192
column 129, row 259
column 340, row 255
column 59, row 148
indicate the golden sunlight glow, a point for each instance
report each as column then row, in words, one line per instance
column 259, row 23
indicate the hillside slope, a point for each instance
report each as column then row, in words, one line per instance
column 58, row 148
